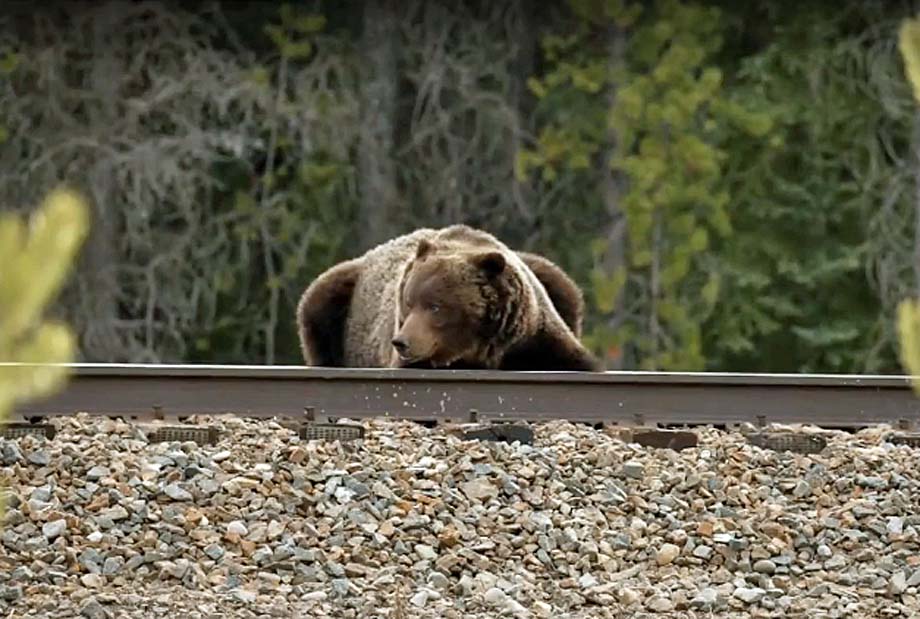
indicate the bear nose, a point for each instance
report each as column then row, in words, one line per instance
column 400, row 344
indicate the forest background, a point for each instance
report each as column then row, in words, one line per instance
column 734, row 185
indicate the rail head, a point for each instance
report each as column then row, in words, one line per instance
column 386, row 375
column 622, row 397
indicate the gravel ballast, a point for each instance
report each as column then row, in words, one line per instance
column 414, row 522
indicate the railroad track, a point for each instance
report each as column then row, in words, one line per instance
column 315, row 397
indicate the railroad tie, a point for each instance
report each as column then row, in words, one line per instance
column 501, row 432
column 656, row 437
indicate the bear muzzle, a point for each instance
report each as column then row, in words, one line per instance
column 415, row 340
column 406, row 351
column 401, row 346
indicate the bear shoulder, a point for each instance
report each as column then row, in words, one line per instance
column 564, row 293
column 322, row 312
column 341, row 314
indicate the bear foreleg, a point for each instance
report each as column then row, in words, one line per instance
column 549, row 352
column 322, row 312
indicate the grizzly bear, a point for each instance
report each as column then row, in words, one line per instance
column 453, row 298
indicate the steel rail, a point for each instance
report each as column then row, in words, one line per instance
column 630, row 398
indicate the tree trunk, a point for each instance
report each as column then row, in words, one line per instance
column 614, row 188
column 379, row 206
column 101, row 342
column 525, row 39
column 654, row 325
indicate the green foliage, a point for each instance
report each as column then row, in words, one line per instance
column 291, row 217
column 665, row 138
column 803, row 203
column 291, row 36
column 9, row 60
column 36, row 259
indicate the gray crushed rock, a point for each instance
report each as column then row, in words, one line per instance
column 415, row 522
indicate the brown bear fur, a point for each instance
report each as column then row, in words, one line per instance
column 563, row 292
column 455, row 297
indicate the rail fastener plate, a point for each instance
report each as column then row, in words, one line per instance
column 911, row 439
column 19, row 429
column 206, row 435
column 330, row 431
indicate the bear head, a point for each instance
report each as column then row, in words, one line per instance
column 456, row 307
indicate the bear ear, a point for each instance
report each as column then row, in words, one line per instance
column 491, row 262
column 424, row 248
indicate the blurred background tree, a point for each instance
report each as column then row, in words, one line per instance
column 732, row 184
column 37, row 258
column 909, row 309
